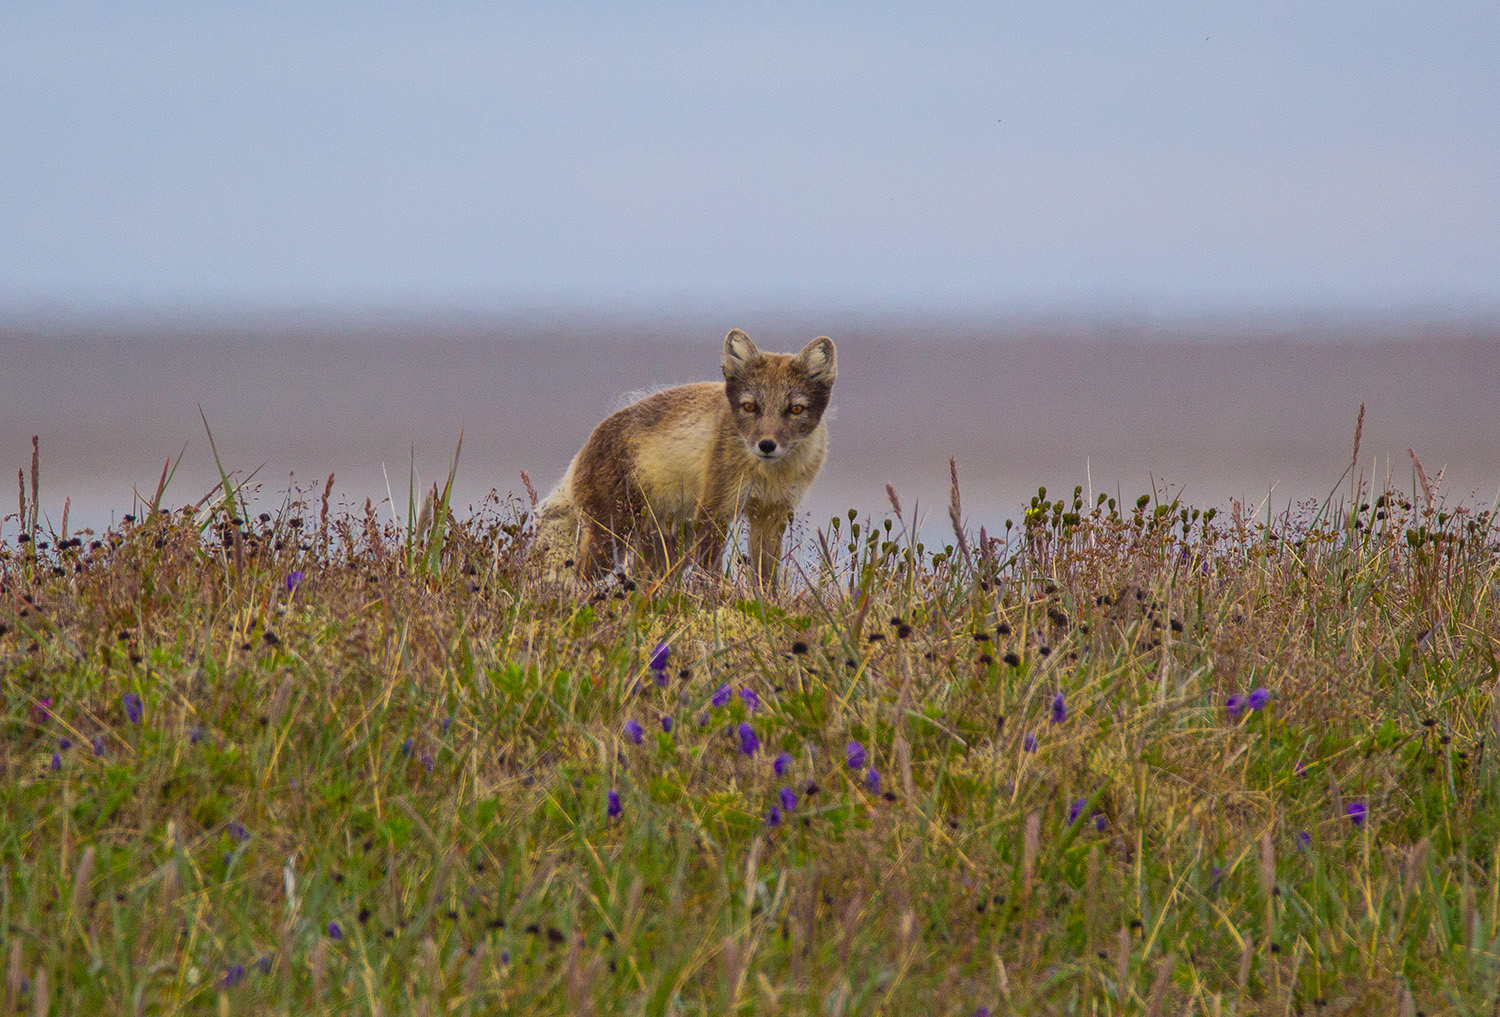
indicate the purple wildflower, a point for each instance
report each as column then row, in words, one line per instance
column 64, row 744
column 233, row 976
column 133, row 707
column 1059, row 709
column 1101, row 821
column 99, row 745
column 666, row 723
column 661, row 678
column 294, row 579
column 773, row 818
column 1259, row 699
column 427, row 761
column 237, row 832
column 788, row 798
column 634, row 732
column 749, row 740
column 1304, row 840
column 406, row 747
column 263, row 965
column 334, row 932
column 1356, row 811
column 721, row 696
column 447, row 723
column 872, row 780
column 1300, row 768
column 612, row 806
column 780, row 763
column 1028, row 744
column 42, row 710
column 1234, row 706
column 659, row 657
column 983, row 1011
column 56, row 763
column 854, row 755
column 750, row 699
column 1075, row 810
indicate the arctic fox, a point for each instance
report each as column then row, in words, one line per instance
column 688, row 461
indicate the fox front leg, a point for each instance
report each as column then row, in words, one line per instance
column 767, row 524
column 709, row 537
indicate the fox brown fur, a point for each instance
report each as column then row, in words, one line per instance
column 688, row 461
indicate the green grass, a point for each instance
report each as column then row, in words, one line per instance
column 416, row 743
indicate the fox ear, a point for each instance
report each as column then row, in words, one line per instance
column 819, row 359
column 739, row 353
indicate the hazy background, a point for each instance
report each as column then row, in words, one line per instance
column 1063, row 242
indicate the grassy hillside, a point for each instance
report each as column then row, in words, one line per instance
column 1117, row 759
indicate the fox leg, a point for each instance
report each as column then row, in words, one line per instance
column 653, row 542
column 596, row 553
column 710, row 533
column 767, row 524
column 653, row 550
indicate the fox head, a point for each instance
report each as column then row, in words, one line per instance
column 776, row 399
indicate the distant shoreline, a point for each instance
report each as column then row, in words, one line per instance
column 1109, row 408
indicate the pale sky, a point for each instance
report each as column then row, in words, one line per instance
column 973, row 154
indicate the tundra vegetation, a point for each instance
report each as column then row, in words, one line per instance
column 1114, row 759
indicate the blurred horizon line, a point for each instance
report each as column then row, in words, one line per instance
column 1111, row 320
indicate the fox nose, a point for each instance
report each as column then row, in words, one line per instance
column 767, row 446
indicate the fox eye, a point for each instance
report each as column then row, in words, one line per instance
column 796, row 410
column 749, row 406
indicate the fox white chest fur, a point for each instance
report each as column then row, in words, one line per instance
column 689, row 461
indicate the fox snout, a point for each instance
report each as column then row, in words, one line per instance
column 766, row 447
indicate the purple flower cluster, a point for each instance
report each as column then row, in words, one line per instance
column 1257, row 700
column 658, row 663
column 1076, row 809
column 659, row 657
column 1059, row 709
